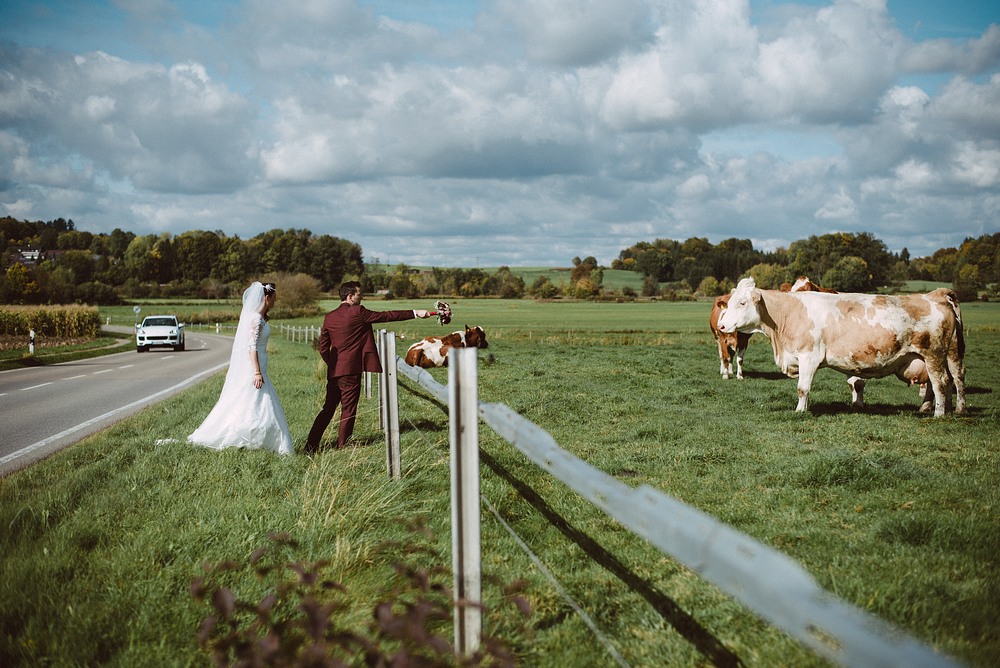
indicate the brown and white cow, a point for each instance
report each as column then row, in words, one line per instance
column 803, row 284
column 915, row 372
column 868, row 336
column 433, row 350
column 732, row 345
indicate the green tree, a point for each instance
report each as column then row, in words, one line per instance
column 850, row 274
column 330, row 259
column 584, row 289
column 197, row 252
column 233, row 264
column 709, row 287
column 19, row 286
column 967, row 283
column 769, row 276
column 505, row 284
column 80, row 264
column 165, row 258
column 139, row 261
column 543, row 288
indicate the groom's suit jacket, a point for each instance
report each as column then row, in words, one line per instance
column 347, row 343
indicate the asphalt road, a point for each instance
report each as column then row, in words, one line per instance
column 45, row 409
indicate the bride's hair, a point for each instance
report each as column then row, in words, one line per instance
column 270, row 289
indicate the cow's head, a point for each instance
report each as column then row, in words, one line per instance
column 475, row 337
column 742, row 314
column 803, row 284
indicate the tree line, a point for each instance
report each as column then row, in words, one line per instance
column 79, row 266
column 842, row 261
column 76, row 266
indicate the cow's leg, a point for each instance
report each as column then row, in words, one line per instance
column 927, row 397
column 807, row 370
column 957, row 370
column 725, row 362
column 857, row 391
column 739, row 362
column 939, row 381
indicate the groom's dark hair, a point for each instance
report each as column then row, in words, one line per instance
column 349, row 288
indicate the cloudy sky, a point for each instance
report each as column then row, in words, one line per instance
column 465, row 133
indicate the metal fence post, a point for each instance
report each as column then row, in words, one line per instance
column 381, row 380
column 392, row 466
column 466, row 548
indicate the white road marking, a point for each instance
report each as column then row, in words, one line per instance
column 33, row 387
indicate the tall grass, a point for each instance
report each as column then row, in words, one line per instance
column 894, row 512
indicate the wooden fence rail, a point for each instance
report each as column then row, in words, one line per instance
column 765, row 580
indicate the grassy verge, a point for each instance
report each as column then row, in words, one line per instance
column 104, row 344
column 894, row 512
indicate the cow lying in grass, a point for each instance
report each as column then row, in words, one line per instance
column 433, row 350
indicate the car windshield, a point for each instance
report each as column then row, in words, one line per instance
column 159, row 322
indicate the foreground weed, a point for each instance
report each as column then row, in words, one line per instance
column 300, row 622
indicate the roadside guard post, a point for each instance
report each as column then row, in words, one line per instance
column 31, row 342
column 466, row 547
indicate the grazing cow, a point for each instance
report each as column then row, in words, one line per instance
column 433, row 350
column 868, row 336
column 915, row 373
column 733, row 345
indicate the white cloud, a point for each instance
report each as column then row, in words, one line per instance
column 969, row 108
column 966, row 57
column 838, row 207
column 572, row 128
column 577, row 32
column 977, row 166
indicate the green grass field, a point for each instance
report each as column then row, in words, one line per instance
column 894, row 512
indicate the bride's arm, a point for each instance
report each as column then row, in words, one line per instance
column 258, row 377
column 255, row 327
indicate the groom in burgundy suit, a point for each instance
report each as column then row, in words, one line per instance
column 347, row 345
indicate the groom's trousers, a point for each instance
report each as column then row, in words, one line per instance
column 342, row 390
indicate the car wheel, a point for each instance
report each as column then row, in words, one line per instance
column 140, row 349
column 180, row 347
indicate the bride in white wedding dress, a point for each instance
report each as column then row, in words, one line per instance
column 248, row 413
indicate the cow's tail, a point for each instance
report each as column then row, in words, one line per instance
column 959, row 328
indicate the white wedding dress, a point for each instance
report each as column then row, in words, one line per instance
column 245, row 417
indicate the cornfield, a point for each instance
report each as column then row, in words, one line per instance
column 54, row 321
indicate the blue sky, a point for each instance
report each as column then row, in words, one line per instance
column 456, row 133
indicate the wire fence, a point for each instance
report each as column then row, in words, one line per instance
column 767, row 581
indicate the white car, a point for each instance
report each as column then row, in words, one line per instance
column 159, row 330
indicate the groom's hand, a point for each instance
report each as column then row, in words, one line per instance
column 421, row 313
